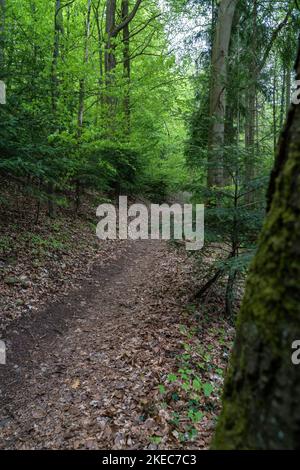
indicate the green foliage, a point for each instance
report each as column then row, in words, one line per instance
column 234, row 214
column 188, row 394
column 43, row 146
column 257, row 93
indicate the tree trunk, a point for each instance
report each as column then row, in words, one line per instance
column 126, row 65
column 288, row 89
column 100, row 38
column 229, row 296
column 85, row 61
column 58, row 29
column 261, row 406
column 2, row 37
column 218, row 91
column 250, row 131
column 110, row 58
column 251, row 112
column 112, row 30
column 82, row 94
column 282, row 102
column 275, row 106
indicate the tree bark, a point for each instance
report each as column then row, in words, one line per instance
column 218, row 91
column 82, row 94
column 288, row 89
column 274, row 105
column 100, row 98
column 251, row 111
column 261, row 406
column 250, row 136
column 112, row 31
column 58, row 29
column 85, row 61
column 282, row 101
column 2, row 36
column 126, row 65
column 110, row 58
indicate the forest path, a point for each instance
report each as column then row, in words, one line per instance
column 84, row 372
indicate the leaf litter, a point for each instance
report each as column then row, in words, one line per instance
column 136, row 366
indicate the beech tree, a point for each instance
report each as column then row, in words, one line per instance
column 113, row 29
column 218, row 86
column 2, row 19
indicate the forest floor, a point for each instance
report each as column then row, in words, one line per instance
column 113, row 353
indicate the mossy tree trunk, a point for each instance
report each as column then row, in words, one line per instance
column 261, row 403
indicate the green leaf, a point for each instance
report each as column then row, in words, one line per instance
column 208, row 389
column 172, row 378
column 155, row 439
column 195, row 416
column 186, row 386
column 197, row 384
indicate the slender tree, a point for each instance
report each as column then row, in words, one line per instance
column 251, row 93
column 126, row 64
column 261, row 406
column 58, row 30
column 2, row 35
column 112, row 31
column 218, row 90
column 85, row 61
column 100, row 40
column 82, row 83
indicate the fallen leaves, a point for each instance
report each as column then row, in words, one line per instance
column 112, row 380
column 76, row 384
column 41, row 263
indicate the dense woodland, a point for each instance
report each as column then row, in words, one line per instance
column 159, row 98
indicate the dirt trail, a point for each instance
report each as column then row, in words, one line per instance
column 83, row 373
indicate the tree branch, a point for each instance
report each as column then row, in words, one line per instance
column 273, row 39
column 127, row 20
